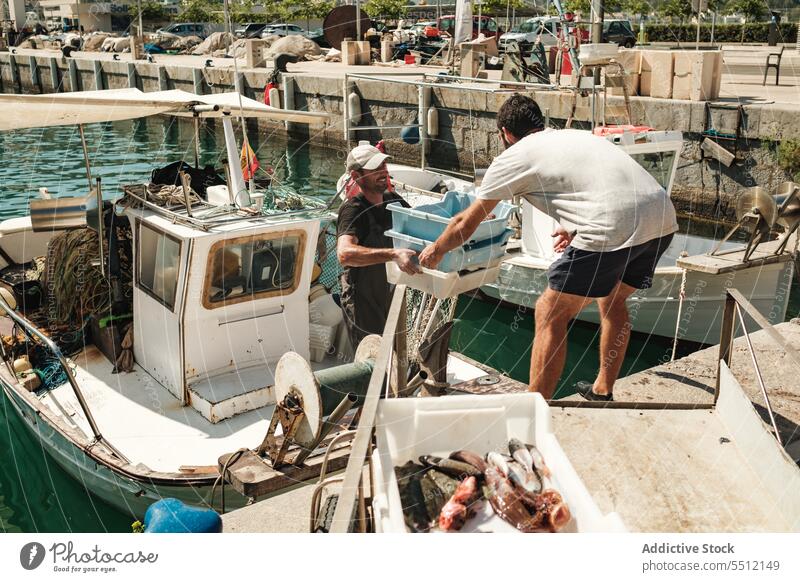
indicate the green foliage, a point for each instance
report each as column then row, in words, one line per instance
column 137, row 526
column 310, row 9
column 499, row 7
column 638, row 7
column 150, row 11
column 582, row 6
column 676, row 9
column 752, row 32
column 391, row 9
column 788, row 153
column 752, row 10
column 199, row 11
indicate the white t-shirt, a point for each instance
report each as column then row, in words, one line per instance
column 588, row 184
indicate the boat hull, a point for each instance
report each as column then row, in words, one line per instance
column 655, row 310
column 130, row 496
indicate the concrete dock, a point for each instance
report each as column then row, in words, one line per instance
column 669, row 470
column 467, row 120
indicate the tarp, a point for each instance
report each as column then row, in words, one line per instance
column 463, row 31
column 26, row 111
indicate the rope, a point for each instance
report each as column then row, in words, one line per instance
column 221, row 478
column 681, row 297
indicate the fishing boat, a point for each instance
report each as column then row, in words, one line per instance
column 682, row 302
column 220, row 289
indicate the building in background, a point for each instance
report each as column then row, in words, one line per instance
column 90, row 14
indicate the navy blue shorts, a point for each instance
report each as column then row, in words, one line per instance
column 595, row 274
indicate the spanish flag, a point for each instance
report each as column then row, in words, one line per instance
column 248, row 160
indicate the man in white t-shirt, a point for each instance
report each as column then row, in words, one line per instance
column 615, row 222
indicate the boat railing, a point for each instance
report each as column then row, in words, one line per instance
column 34, row 333
column 736, row 305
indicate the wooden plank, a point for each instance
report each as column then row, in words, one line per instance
column 728, row 262
column 252, row 476
column 366, row 425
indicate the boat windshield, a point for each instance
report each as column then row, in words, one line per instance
column 253, row 267
column 658, row 164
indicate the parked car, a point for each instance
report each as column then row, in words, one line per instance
column 418, row 28
column 282, row 30
column 250, row 30
column 488, row 26
column 185, row 29
column 545, row 28
column 620, row 32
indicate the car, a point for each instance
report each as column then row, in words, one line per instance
column 282, row 30
column 488, row 26
column 544, row 28
column 619, row 32
column 250, row 30
column 184, row 29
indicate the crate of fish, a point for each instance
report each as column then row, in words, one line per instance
column 488, row 463
column 470, row 256
column 428, row 221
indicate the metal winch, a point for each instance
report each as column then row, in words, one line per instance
column 758, row 212
column 309, row 404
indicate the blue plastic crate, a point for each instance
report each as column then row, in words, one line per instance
column 470, row 256
column 428, row 221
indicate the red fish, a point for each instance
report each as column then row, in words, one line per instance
column 457, row 509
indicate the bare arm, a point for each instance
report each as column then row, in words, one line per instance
column 457, row 232
column 352, row 254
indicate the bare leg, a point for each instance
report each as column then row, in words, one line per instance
column 615, row 331
column 553, row 313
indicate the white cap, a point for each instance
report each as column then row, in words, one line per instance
column 365, row 157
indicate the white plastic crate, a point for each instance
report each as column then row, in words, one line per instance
column 443, row 285
column 407, row 428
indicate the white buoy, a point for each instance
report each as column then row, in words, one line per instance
column 274, row 97
column 433, row 122
column 354, row 108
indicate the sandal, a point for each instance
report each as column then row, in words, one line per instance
column 585, row 390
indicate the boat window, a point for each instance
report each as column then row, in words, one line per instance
column 158, row 262
column 253, row 267
column 658, row 164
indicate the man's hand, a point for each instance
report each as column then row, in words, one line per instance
column 562, row 238
column 430, row 257
column 406, row 259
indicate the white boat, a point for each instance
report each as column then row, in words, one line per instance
column 205, row 349
column 523, row 273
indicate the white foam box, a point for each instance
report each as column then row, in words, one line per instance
column 407, row 428
column 443, row 285
column 693, row 75
column 655, row 79
column 355, row 52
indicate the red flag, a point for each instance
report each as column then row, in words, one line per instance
column 248, row 160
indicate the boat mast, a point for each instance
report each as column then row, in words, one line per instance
column 85, row 156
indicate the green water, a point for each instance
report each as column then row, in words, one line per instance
column 35, row 494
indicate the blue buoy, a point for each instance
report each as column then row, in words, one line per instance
column 410, row 134
column 174, row 516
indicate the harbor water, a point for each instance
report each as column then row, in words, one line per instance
column 35, row 494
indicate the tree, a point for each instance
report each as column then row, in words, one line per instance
column 680, row 9
column 150, row 11
column 390, row 9
column 752, row 10
column 499, row 7
column 583, row 7
column 637, row 7
column 199, row 11
column 310, row 9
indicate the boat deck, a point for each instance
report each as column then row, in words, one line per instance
column 150, row 426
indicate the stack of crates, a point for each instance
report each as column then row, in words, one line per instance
column 416, row 228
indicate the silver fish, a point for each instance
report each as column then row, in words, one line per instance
column 520, row 454
column 527, row 480
column 498, row 461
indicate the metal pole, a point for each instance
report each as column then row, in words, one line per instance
column 480, row 13
column 100, row 230
column 598, row 15
column 139, row 8
column 713, row 24
column 196, row 142
column 85, row 156
column 758, row 375
column 358, row 20
column 697, row 40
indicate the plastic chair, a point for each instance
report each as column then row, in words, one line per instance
column 776, row 65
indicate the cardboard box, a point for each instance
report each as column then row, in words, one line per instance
column 693, row 75
column 656, row 74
